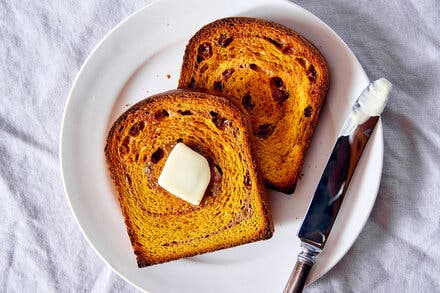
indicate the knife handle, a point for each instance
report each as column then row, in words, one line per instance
column 298, row 277
column 304, row 263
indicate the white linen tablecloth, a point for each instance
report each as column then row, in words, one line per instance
column 44, row 43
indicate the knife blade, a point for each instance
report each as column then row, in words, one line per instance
column 334, row 182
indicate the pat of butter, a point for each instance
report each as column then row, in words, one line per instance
column 186, row 174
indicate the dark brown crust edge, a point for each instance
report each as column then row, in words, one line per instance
column 268, row 228
column 321, row 90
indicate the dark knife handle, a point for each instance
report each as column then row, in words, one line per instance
column 304, row 263
column 298, row 276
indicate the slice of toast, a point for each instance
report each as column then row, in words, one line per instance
column 161, row 226
column 276, row 75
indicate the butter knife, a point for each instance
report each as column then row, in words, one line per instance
column 334, row 182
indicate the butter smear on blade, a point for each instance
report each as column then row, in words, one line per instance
column 370, row 103
column 186, row 174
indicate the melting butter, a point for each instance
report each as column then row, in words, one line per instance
column 186, row 174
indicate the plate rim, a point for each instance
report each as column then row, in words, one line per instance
column 379, row 130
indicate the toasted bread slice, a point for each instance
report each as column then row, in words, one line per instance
column 161, row 226
column 276, row 75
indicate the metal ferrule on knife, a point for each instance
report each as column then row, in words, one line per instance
column 336, row 178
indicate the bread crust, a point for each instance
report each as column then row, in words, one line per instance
column 117, row 165
column 284, row 175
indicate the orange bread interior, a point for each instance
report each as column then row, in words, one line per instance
column 275, row 75
column 161, row 226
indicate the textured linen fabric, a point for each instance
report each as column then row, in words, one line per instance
column 44, row 43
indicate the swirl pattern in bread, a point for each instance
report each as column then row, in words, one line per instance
column 161, row 226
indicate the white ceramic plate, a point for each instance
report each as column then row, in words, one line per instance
column 131, row 63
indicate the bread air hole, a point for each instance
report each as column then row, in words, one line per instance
column 278, row 89
column 302, row 62
column 219, row 121
column 311, row 73
column 136, row 129
column 274, row 42
column 161, row 114
column 204, row 52
column 246, row 101
column 157, row 156
column 265, row 130
column 218, row 85
column 253, row 67
column 276, row 82
column 224, row 41
column 185, row 113
column 227, row 73
column 308, row 111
